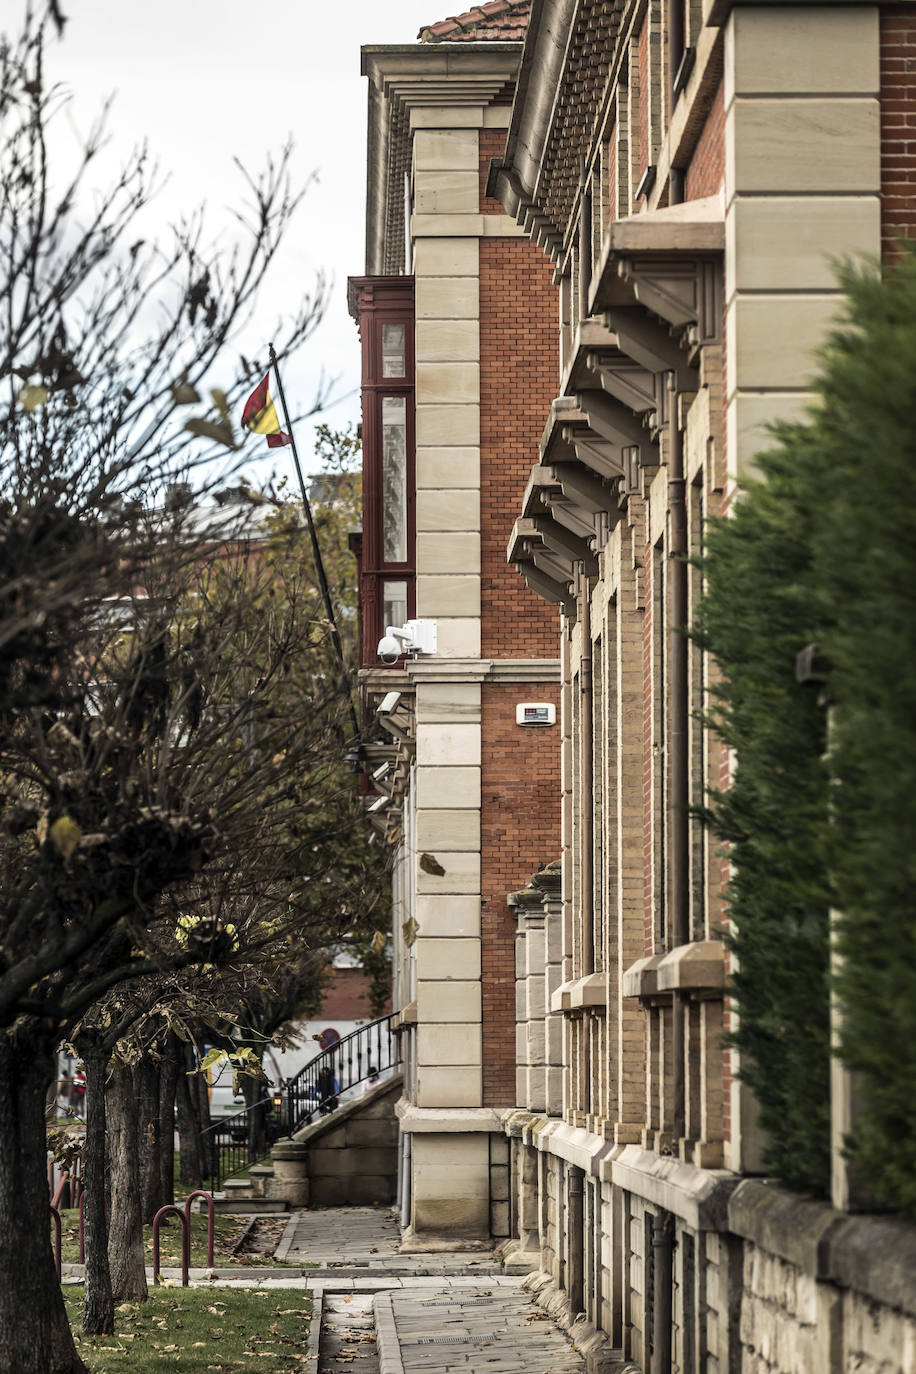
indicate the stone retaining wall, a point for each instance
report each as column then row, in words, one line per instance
column 822, row 1291
column 352, row 1155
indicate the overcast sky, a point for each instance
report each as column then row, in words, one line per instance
column 204, row 81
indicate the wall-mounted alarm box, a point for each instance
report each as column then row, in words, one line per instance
column 536, row 713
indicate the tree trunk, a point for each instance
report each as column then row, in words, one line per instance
column 189, row 1164
column 34, row 1332
column 253, row 1092
column 98, row 1304
column 126, row 1259
column 168, row 1082
column 146, row 1080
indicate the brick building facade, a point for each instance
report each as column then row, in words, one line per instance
column 691, row 171
column 467, row 797
column 669, row 186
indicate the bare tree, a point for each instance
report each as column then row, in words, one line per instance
column 137, row 746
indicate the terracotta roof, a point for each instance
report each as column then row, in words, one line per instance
column 505, row 20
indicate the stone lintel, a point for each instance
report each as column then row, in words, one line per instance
column 641, row 978
column 696, row 967
column 560, row 999
column 590, row 991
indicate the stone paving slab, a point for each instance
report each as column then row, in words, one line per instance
column 481, row 1329
column 353, row 1240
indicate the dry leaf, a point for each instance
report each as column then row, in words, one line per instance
column 65, row 836
column 33, row 397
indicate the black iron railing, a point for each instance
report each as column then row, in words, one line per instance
column 369, row 1052
column 232, row 1144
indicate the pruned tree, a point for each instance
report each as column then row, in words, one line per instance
column 140, row 739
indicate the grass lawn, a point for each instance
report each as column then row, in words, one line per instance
column 226, row 1231
column 199, row 1331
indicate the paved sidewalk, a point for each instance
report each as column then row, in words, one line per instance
column 378, row 1311
column 365, row 1240
column 491, row 1328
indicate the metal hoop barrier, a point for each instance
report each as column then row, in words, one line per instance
column 208, row 1197
column 172, row 1211
column 58, row 1240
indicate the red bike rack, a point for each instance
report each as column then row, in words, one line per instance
column 172, row 1211
column 58, row 1239
column 210, row 1223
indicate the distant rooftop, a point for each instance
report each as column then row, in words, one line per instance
column 505, row 20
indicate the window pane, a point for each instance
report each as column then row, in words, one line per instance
column 394, row 479
column 392, row 350
column 394, row 603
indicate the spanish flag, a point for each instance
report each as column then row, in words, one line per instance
column 260, row 416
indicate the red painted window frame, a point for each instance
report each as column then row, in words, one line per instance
column 375, row 301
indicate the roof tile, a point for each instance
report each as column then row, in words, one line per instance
column 503, row 20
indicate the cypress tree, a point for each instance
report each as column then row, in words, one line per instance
column 823, row 550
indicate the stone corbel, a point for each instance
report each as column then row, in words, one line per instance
column 685, row 291
column 547, row 576
column 597, row 455
column 651, row 345
column 585, row 491
column 610, row 420
column 544, row 496
column 562, row 542
column 624, row 379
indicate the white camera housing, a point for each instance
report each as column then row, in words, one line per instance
column 414, row 637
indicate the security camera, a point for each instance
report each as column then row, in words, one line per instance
column 388, row 702
column 390, row 647
column 416, row 637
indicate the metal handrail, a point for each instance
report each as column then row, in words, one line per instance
column 233, row 1143
column 230, row 1145
column 371, row 1051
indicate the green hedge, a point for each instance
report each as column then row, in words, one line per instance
column 823, row 550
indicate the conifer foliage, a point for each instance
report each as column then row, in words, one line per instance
column 821, row 814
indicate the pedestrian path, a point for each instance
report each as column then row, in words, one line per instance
column 355, row 1241
column 491, row 1329
column 380, row 1311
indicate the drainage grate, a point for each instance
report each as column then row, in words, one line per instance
column 458, row 1302
column 458, row 1340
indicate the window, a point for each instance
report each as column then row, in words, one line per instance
column 394, row 479
column 394, row 603
column 384, row 310
column 393, row 351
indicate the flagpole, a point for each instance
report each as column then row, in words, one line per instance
column 316, row 551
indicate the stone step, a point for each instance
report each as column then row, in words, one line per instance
column 243, row 1205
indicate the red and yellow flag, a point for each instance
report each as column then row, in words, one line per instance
column 260, row 416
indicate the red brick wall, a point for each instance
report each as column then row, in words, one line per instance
column 518, row 381
column 610, row 188
column 643, row 99
column 520, row 831
column 491, row 143
column 898, row 126
column 706, row 169
column 347, row 998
